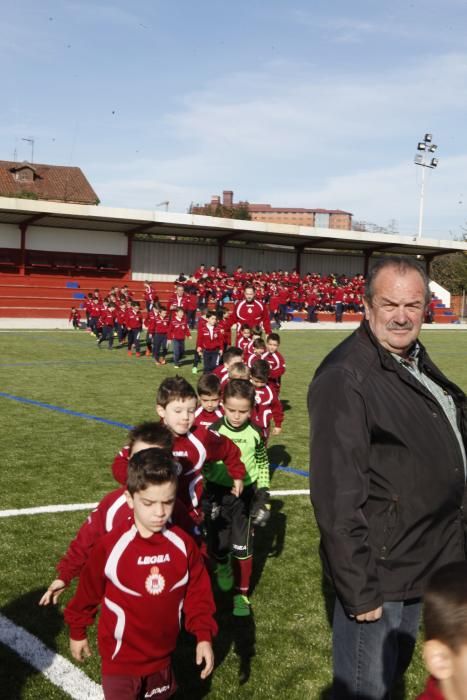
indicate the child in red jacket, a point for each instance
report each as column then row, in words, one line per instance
column 445, row 648
column 143, row 575
column 178, row 331
column 210, row 342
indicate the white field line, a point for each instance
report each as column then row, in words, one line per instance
column 89, row 506
column 47, row 509
column 55, row 667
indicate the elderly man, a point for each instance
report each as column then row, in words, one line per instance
column 387, row 479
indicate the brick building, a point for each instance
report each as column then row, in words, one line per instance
column 54, row 183
column 297, row 216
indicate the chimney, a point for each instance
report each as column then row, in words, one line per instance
column 227, row 198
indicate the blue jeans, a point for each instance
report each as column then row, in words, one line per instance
column 370, row 656
column 178, row 349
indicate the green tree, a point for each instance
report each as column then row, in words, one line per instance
column 450, row 271
column 239, row 211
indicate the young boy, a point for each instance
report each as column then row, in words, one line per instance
column 257, row 350
column 445, row 648
column 275, row 360
column 209, row 394
column 112, row 511
column 75, row 318
column 176, row 405
column 143, row 575
column 210, row 342
column 202, row 320
column 239, row 371
column 231, row 356
column 230, row 520
column 107, row 318
column 244, row 338
column 134, row 323
column 177, row 332
column 267, row 406
column 161, row 330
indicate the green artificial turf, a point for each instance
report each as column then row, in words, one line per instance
column 51, row 457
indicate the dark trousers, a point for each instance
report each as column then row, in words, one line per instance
column 191, row 317
column 312, row 318
column 159, row 348
column 339, row 311
column 93, row 325
column 178, row 349
column 196, row 358
column 107, row 334
column 210, row 360
column 134, row 338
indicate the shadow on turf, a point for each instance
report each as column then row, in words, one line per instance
column 278, row 457
column 45, row 623
column 236, row 633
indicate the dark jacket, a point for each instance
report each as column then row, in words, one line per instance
column 387, row 476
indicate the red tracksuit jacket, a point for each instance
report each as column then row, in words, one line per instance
column 210, row 338
column 142, row 586
column 178, row 330
column 254, row 313
column 112, row 512
column 205, row 418
column 267, row 408
column 192, row 450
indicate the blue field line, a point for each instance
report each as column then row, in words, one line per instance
column 117, row 424
column 59, row 409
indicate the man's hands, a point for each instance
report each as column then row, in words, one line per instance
column 53, row 592
column 370, row 616
column 204, row 653
column 80, row 649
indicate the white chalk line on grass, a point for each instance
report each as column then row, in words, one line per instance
column 53, row 666
column 89, row 506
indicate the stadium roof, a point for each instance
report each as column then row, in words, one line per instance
column 145, row 222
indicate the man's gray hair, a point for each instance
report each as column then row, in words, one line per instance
column 403, row 264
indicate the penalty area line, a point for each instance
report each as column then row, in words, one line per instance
column 39, row 510
column 58, row 670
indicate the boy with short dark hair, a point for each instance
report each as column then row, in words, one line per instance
column 160, row 336
column 210, row 342
column 177, row 332
column 257, row 349
column 75, row 317
column 268, row 408
column 143, row 576
column 445, row 619
column 230, row 519
column 275, row 360
column 134, row 323
column 209, row 395
column 229, row 358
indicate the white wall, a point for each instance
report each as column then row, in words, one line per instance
column 10, row 236
column 251, row 258
column 324, row 264
column 157, row 260
column 75, row 241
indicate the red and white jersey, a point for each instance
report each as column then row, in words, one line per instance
column 142, row 585
column 176, row 302
column 255, row 313
column 222, row 373
column 133, row 319
column 267, row 408
column 207, row 418
column 210, row 338
column 151, row 320
column 107, row 317
column 192, row 450
column 178, row 330
column 244, row 344
column 113, row 511
column 162, row 325
column 276, row 364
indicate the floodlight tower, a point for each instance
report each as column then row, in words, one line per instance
column 425, row 148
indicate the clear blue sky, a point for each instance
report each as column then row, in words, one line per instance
column 312, row 103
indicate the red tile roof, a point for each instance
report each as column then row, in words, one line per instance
column 57, row 183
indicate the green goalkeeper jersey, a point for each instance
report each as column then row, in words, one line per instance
column 254, row 456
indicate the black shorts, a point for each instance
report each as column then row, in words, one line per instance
column 228, row 521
